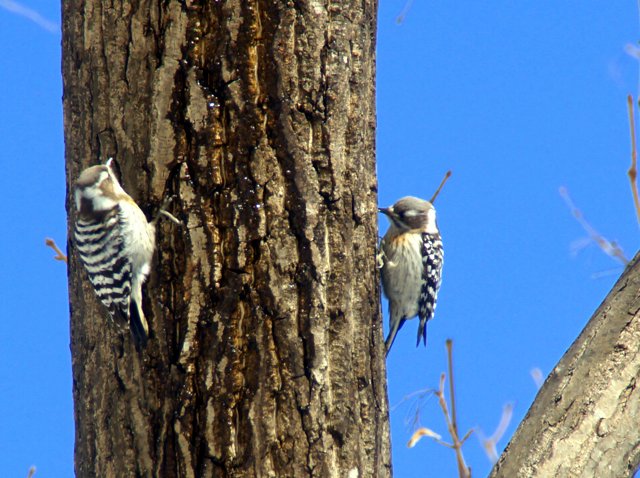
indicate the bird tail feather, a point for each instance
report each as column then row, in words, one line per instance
column 138, row 325
column 422, row 332
column 396, row 325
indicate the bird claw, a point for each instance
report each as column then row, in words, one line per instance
column 170, row 216
column 380, row 259
column 163, row 212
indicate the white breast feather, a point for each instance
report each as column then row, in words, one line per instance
column 406, row 289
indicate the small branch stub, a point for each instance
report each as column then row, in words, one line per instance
column 444, row 180
column 489, row 444
column 60, row 256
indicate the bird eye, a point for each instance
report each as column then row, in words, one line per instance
column 409, row 213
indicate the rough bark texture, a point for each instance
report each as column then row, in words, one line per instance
column 266, row 354
column 585, row 419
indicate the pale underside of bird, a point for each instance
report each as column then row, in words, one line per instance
column 411, row 265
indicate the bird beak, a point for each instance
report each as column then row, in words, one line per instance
column 387, row 211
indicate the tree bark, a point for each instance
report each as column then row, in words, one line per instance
column 265, row 356
column 584, row 421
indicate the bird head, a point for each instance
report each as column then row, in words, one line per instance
column 412, row 214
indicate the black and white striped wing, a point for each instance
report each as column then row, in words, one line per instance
column 432, row 260
column 101, row 249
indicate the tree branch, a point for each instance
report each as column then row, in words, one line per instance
column 584, row 421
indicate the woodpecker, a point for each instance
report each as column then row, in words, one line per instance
column 412, row 258
column 115, row 243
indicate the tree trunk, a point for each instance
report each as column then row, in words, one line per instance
column 585, row 419
column 265, row 356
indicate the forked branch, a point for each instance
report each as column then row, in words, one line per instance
column 611, row 248
column 450, row 417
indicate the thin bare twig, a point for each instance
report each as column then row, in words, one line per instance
column 423, row 432
column 611, row 248
column 400, row 18
column 450, row 418
column 633, row 169
column 60, row 256
column 418, row 393
column 489, row 444
column 538, row 378
column 466, row 435
column 452, row 393
column 444, row 180
column 463, row 470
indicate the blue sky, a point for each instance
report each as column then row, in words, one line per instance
column 517, row 100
